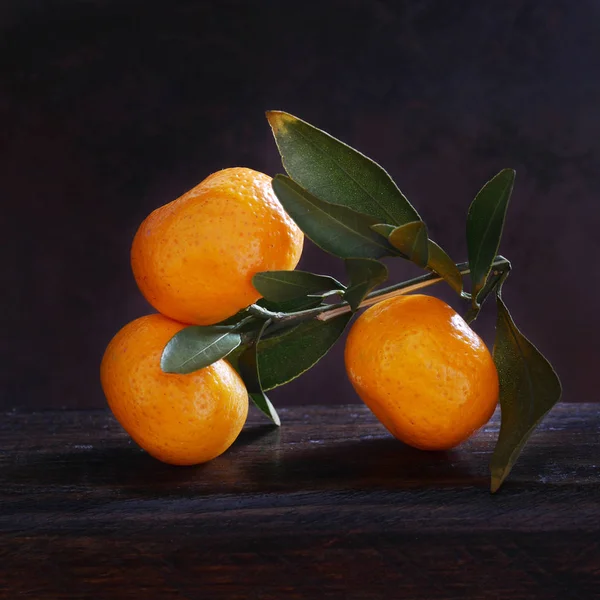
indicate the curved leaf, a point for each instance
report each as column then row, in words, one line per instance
column 411, row 240
column 262, row 402
column 493, row 283
column 529, row 388
column 438, row 260
column 285, row 356
column 279, row 286
column 335, row 229
column 485, row 222
column 196, row 347
column 445, row 267
column 383, row 229
column 247, row 367
column 336, row 173
column 365, row 274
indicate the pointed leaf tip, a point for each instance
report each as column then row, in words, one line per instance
column 248, row 368
column 337, row 173
column 383, row 229
column 411, row 239
column 437, row 258
column 445, row 267
column 196, row 347
column 485, row 222
column 281, row 286
column 277, row 120
column 529, row 388
column 495, row 483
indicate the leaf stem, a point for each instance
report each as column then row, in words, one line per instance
column 325, row 313
column 405, row 287
column 263, row 313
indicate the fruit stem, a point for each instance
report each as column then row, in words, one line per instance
column 384, row 294
column 325, row 313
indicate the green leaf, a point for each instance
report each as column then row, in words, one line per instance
column 444, row 266
column 365, row 274
column 386, row 230
column 493, row 283
column 233, row 357
column 438, row 260
column 286, row 355
column 262, row 402
column 335, row 229
column 279, row 286
column 248, row 368
column 383, row 229
column 411, row 240
column 336, row 173
column 485, row 222
column 529, row 388
column 196, row 347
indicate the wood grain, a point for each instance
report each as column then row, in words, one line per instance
column 328, row 506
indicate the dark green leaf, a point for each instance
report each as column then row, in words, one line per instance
column 196, row 347
column 383, row 229
column 365, row 274
column 529, row 388
column 493, row 283
column 336, row 229
column 485, row 222
column 234, row 355
column 262, row 402
column 386, row 230
column 285, row 356
column 444, row 266
column 411, row 240
column 248, row 368
column 279, row 286
column 336, row 173
column 438, row 261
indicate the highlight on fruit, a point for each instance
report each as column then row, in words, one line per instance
column 239, row 320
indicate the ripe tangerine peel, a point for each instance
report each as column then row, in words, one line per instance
column 194, row 258
column 422, row 370
column 178, row 419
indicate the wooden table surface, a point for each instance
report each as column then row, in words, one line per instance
column 328, row 506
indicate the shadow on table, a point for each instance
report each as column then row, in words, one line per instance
column 123, row 466
column 379, row 462
column 258, row 461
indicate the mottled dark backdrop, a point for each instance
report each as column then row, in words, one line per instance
column 112, row 108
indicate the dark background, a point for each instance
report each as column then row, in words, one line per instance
column 109, row 109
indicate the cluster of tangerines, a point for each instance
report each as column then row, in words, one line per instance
column 412, row 359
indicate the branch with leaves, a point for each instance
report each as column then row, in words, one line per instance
column 350, row 207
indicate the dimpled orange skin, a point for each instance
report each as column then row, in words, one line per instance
column 425, row 374
column 178, row 419
column 194, row 258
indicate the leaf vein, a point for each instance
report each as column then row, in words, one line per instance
column 489, row 224
column 335, row 162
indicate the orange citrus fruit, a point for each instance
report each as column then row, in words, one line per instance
column 425, row 374
column 179, row 419
column 194, row 258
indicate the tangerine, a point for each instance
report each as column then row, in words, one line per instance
column 178, row 419
column 425, row 374
column 194, row 258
